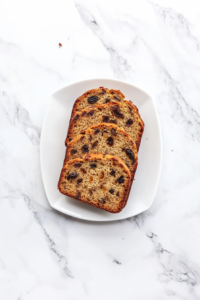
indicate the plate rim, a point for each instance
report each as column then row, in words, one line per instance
column 161, row 149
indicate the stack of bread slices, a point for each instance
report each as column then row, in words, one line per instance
column 102, row 143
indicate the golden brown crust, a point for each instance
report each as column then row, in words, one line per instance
column 106, row 109
column 140, row 121
column 98, row 157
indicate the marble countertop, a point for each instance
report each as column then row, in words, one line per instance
column 153, row 45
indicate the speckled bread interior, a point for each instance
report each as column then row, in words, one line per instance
column 106, row 139
column 124, row 114
column 101, row 181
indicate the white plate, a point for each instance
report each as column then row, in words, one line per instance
column 52, row 151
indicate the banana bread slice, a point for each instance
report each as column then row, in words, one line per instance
column 106, row 139
column 101, row 181
column 92, row 97
column 124, row 114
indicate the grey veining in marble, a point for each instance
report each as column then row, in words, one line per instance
column 153, row 45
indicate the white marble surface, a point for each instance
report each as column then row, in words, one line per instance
column 47, row 255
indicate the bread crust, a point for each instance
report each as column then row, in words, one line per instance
column 96, row 157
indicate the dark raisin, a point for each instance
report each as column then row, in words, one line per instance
column 72, row 176
column 107, row 100
column 113, row 132
column 76, row 118
column 90, row 137
column 130, row 154
column 79, row 180
column 73, row 151
column 102, row 92
column 94, row 144
column 92, row 99
column 77, row 165
column 85, row 149
column 83, row 113
column 117, row 194
column 103, row 201
column 129, row 123
column 112, row 173
column 93, row 166
column 111, row 191
column 90, row 113
column 113, row 121
column 97, row 131
column 105, row 119
column 117, row 98
column 110, row 141
column 118, row 113
column 83, row 171
column 121, row 179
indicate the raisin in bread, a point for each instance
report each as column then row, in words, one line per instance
column 101, row 95
column 106, row 139
column 101, row 181
column 124, row 114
